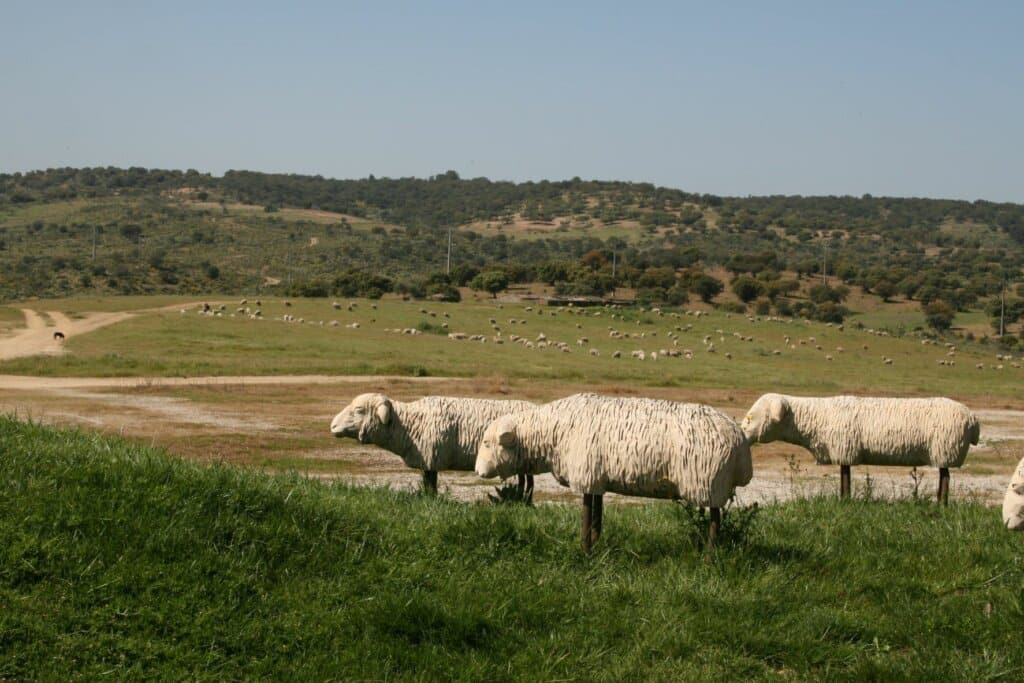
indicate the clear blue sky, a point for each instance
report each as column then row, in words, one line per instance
column 893, row 98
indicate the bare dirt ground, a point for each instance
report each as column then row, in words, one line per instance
column 37, row 336
column 281, row 423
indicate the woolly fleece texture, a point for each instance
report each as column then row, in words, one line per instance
column 433, row 433
column 632, row 446
column 1013, row 503
column 853, row 430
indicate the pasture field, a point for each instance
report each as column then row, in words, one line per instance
column 170, row 343
column 118, row 560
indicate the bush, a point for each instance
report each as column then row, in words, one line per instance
column 444, row 292
column 747, row 288
column 311, row 288
column 492, row 281
column 677, row 295
column 649, row 295
column 360, row 283
column 822, row 293
column 939, row 315
column 732, row 307
column 703, row 285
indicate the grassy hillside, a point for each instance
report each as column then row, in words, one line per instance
column 117, row 560
column 138, row 231
column 152, row 344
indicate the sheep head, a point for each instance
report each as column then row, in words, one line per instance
column 363, row 418
column 498, row 454
column 767, row 419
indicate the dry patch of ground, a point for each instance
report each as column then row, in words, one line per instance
column 281, row 423
column 37, row 337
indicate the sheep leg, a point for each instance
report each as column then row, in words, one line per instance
column 529, row 485
column 588, row 502
column 430, row 482
column 844, row 481
column 944, row 485
column 713, row 527
column 520, row 486
column 597, row 517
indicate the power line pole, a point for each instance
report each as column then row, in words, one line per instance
column 93, row 241
column 613, row 264
column 1002, row 308
column 824, row 263
column 448, row 267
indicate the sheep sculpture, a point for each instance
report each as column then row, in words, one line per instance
column 631, row 446
column 1013, row 502
column 853, row 430
column 431, row 434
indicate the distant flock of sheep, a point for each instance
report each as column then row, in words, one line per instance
column 651, row 448
column 541, row 341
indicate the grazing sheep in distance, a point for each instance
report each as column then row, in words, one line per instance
column 1013, row 502
column 852, row 430
column 431, row 434
column 631, row 446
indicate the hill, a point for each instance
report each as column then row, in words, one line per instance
column 136, row 231
column 120, row 560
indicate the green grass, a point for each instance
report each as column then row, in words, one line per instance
column 11, row 316
column 171, row 344
column 118, row 560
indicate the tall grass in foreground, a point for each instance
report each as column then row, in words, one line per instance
column 118, row 559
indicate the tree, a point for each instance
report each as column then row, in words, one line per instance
column 884, row 289
column 939, row 315
column 706, row 287
column 663, row 278
column 777, row 288
column 747, row 288
column 822, row 293
column 441, row 291
column 492, row 281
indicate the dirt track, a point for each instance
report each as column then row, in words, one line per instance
column 36, row 338
column 29, row 383
column 281, row 423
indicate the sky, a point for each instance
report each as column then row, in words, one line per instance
column 731, row 98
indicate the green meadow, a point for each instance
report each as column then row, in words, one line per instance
column 117, row 560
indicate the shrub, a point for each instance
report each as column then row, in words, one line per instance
column 939, row 315
column 747, row 288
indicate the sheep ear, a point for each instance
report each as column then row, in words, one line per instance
column 384, row 411
column 777, row 409
column 507, row 438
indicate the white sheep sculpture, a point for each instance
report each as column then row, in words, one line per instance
column 1013, row 502
column 854, row 430
column 632, row 446
column 431, row 434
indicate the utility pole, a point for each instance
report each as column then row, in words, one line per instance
column 1002, row 308
column 93, row 241
column 824, row 263
column 613, row 264
column 448, row 268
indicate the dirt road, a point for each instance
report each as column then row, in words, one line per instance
column 280, row 423
column 29, row 383
column 36, row 338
